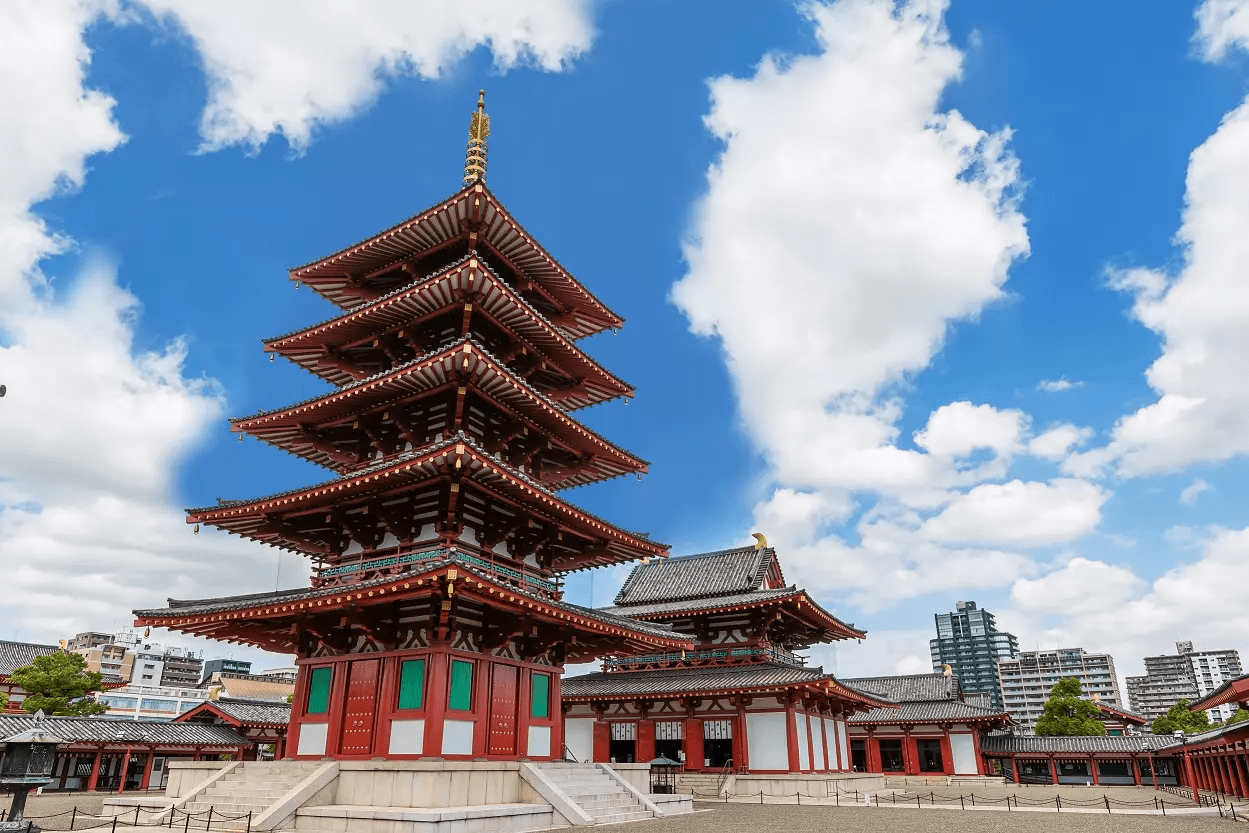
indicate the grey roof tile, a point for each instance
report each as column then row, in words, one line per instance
column 107, row 730
column 908, row 687
column 719, row 573
column 933, row 711
column 703, row 678
column 1043, row 745
column 15, row 655
column 252, row 711
column 684, row 605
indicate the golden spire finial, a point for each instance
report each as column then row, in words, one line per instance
column 478, row 132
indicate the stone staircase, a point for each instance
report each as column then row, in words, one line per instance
column 600, row 795
column 252, row 787
column 701, row 784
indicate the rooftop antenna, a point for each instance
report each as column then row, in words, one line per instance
column 478, row 132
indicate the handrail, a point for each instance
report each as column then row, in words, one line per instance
column 725, row 772
column 568, row 756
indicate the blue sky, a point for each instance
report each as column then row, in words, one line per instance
column 856, row 245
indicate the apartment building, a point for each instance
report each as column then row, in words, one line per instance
column 1027, row 680
column 1187, row 674
column 970, row 643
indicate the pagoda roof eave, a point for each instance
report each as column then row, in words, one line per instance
column 805, row 607
column 1232, row 691
column 401, row 302
column 437, row 224
column 385, row 387
column 227, row 617
column 244, row 516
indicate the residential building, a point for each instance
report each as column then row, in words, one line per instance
column 1187, row 674
column 150, row 702
column 181, row 668
column 89, row 639
column 969, row 642
column 114, row 662
column 14, row 655
column 149, row 666
column 1027, row 680
column 228, row 666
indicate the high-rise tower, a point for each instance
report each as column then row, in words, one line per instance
column 434, row 624
column 969, row 642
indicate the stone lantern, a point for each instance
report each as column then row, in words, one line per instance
column 28, row 760
column 664, row 775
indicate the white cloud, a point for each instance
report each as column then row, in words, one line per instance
column 1202, row 376
column 1107, row 607
column 1020, row 514
column 1222, row 25
column 1058, row 441
column 1190, row 492
column 287, row 66
column 1058, row 385
column 842, row 188
column 91, row 429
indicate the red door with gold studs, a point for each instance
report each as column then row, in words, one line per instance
column 503, row 710
column 358, row 717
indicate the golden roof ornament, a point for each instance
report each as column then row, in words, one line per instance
column 478, row 132
column 761, row 540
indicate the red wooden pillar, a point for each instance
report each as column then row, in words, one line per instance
column 1053, row 763
column 1014, row 767
column 1189, row 780
column 870, row 754
column 1093, row 770
column 810, row 739
column 556, row 711
column 602, row 740
column 1136, row 771
column 947, row 753
column 910, row 754
column 741, row 746
column 125, row 768
column 692, row 732
column 436, row 703
column 336, row 713
column 146, row 783
column 645, row 739
column 791, row 736
column 94, row 780
column 975, row 745
column 387, row 702
column 483, row 681
column 1239, row 761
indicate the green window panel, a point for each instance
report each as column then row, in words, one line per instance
column 319, row 690
column 540, row 701
column 412, row 684
column 461, row 686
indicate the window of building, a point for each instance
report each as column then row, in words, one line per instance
column 412, row 684
column 461, row 698
column 540, row 696
column 319, row 690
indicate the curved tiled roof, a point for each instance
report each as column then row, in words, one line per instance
column 909, row 687
column 932, row 711
column 1029, row 744
column 106, row 730
column 703, row 575
column 703, row 679
column 246, row 710
column 688, row 605
column 14, row 655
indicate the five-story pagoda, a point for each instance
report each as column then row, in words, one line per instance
column 434, row 624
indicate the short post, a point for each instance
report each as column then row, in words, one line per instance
column 73, row 817
column 186, row 827
column 136, row 815
column 1008, row 802
column 1164, row 806
column 114, row 824
column 209, row 825
column 760, row 796
column 973, row 799
column 1107, row 800
column 249, row 821
column 918, row 806
column 1058, row 802
column 931, row 799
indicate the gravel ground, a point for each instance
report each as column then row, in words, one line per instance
column 51, row 803
column 747, row 818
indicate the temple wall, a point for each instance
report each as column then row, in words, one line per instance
column 429, row 702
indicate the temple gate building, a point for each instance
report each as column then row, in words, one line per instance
column 741, row 698
column 434, row 624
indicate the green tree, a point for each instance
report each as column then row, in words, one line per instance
column 58, row 684
column 1179, row 719
column 1238, row 716
column 1067, row 714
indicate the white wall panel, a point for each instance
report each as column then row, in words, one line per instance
column 963, row 747
column 579, row 737
column 766, row 741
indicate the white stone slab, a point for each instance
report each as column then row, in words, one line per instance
column 963, row 748
column 407, row 737
column 579, row 737
column 312, row 738
column 767, row 746
column 539, row 742
column 457, row 737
